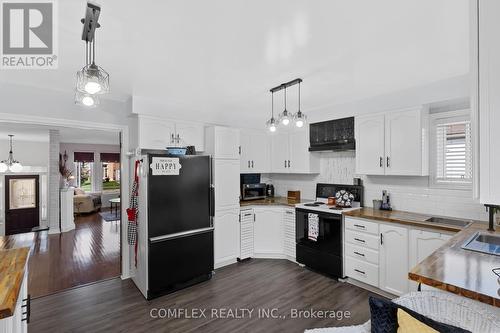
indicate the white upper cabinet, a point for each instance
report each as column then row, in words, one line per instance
column 407, row 143
column 290, row 153
column 393, row 143
column 157, row 133
column 255, row 153
column 370, row 138
column 222, row 142
column 489, row 101
column 190, row 134
column 227, row 183
column 279, row 152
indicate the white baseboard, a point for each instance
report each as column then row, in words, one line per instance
column 224, row 262
column 54, row 231
column 269, row 255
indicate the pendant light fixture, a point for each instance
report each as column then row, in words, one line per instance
column 271, row 123
column 91, row 80
column 285, row 116
column 299, row 118
column 10, row 164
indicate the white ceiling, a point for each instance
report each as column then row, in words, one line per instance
column 218, row 58
column 38, row 133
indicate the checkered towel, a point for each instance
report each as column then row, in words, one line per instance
column 133, row 211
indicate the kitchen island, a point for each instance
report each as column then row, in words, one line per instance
column 14, row 299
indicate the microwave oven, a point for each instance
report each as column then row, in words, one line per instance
column 253, row 191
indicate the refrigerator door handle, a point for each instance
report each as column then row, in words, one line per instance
column 212, row 200
column 180, row 234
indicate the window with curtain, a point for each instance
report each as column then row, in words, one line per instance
column 84, row 162
column 451, row 149
column 110, row 171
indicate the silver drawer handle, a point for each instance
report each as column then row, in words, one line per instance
column 360, row 226
column 361, row 272
column 359, row 254
column 359, row 240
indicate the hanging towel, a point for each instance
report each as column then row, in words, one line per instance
column 133, row 212
column 313, row 226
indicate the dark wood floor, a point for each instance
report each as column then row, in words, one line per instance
column 89, row 253
column 117, row 306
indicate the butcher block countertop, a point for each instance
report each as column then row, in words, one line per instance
column 276, row 201
column 12, row 270
column 401, row 217
column 460, row 271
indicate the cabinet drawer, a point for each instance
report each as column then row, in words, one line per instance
column 361, row 253
column 362, row 271
column 361, row 239
column 361, row 225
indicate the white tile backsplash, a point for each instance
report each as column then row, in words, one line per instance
column 407, row 193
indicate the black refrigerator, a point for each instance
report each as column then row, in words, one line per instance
column 180, row 210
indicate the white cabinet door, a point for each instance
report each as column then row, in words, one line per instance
column 489, row 102
column 301, row 160
column 370, row 136
column 393, row 274
column 289, row 233
column 226, row 236
column 422, row 244
column 156, row 133
column 405, row 140
column 260, row 153
column 190, row 134
column 245, row 152
column 247, row 220
column 279, row 152
column 227, row 183
column 268, row 232
column 227, row 143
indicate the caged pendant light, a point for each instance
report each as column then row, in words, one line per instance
column 91, row 80
column 271, row 123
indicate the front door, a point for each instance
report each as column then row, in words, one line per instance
column 22, row 210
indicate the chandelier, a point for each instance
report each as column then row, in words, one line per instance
column 10, row 164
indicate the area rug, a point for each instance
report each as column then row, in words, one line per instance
column 109, row 217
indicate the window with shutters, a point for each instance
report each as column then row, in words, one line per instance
column 451, row 150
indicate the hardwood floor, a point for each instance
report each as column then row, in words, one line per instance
column 117, row 306
column 89, row 253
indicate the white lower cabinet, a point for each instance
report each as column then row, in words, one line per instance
column 226, row 236
column 393, row 259
column 381, row 254
column 423, row 244
column 268, row 234
column 247, row 220
column 289, row 235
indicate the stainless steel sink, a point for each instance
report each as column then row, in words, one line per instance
column 483, row 242
column 443, row 220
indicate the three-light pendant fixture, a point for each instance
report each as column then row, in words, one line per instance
column 92, row 80
column 285, row 118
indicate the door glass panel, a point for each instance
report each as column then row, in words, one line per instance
column 22, row 193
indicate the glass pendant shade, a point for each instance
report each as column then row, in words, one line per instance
column 285, row 118
column 86, row 100
column 16, row 167
column 271, row 125
column 92, row 80
column 300, row 119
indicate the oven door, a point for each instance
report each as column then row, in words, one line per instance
column 325, row 254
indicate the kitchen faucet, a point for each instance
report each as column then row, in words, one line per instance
column 492, row 209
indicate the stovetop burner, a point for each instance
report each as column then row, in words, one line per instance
column 311, row 205
column 319, row 203
column 336, row 208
